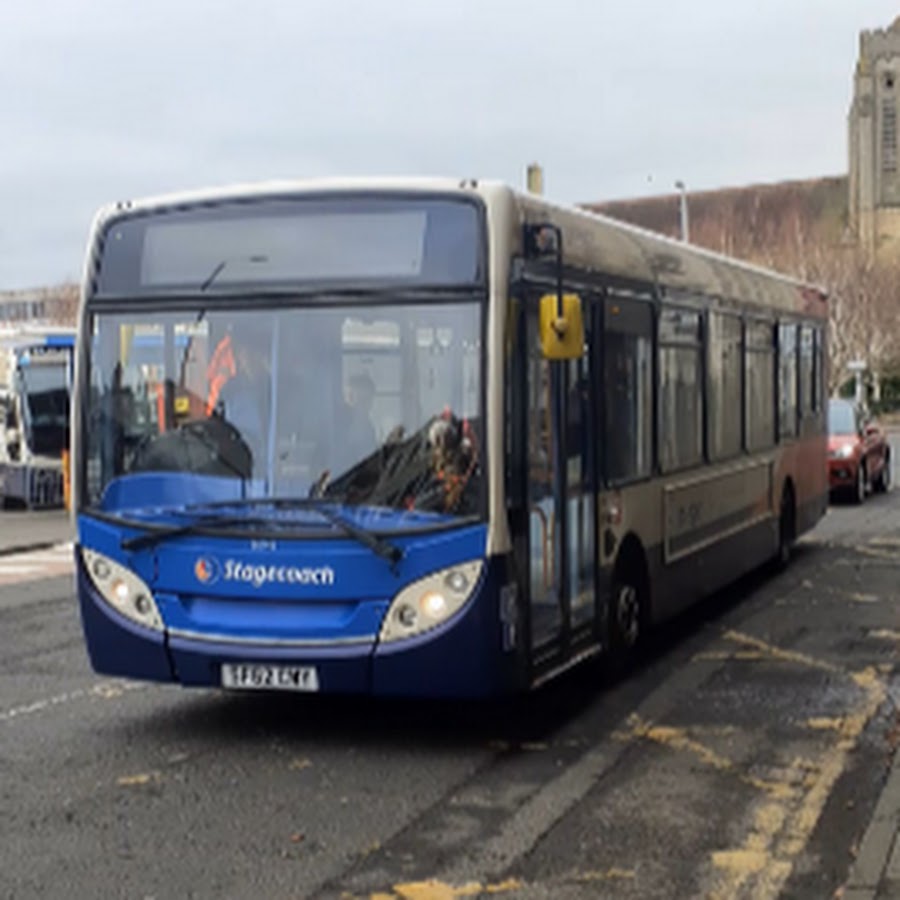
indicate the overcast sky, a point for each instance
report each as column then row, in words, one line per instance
column 107, row 99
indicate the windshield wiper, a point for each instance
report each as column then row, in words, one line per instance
column 217, row 269
column 162, row 534
column 378, row 545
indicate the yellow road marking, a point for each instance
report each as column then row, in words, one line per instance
column 876, row 554
column 774, row 652
column 729, row 655
column 885, row 634
column 825, row 724
column 610, row 874
column 439, row 890
column 679, row 739
column 137, row 780
column 782, row 829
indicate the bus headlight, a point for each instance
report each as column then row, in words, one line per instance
column 122, row 589
column 426, row 603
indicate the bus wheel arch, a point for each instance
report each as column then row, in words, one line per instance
column 628, row 606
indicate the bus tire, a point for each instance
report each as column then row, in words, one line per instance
column 787, row 528
column 626, row 612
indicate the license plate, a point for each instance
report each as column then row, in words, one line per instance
column 261, row 677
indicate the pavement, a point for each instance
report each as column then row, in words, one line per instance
column 25, row 530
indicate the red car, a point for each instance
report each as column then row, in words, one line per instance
column 859, row 455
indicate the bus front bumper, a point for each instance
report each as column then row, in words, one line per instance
column 459, row 659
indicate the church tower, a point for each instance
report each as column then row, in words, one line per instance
column 874, row 181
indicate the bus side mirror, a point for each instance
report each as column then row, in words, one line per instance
column 562, row 330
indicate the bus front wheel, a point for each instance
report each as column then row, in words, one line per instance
column 625, row 616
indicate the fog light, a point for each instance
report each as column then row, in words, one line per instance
column 406, row 616
column 143, row 604
column 101, row 569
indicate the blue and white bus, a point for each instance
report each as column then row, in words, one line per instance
column 35, row 396
column 422, row 437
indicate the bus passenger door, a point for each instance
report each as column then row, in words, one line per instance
column 561, row 535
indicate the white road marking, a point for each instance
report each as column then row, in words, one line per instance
column 52, row 562
column 104, row 690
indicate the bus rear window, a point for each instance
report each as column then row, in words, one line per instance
column 434, row 242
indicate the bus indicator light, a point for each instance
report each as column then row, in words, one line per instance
column 457, row 582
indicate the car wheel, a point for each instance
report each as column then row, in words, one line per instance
column 859, row 490
column 883, row 482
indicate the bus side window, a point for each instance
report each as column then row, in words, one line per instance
column 808, row 394
column 787, row 380
column 628, row 387
column 680, row 389
column 759, row 385
column 723, row 385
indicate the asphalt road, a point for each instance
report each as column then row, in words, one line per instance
column 742, row 758
column 23, row 529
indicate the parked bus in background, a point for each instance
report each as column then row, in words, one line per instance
column 428, row 437
column 35, row 393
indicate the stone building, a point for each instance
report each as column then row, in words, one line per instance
column 874, row 179
column 47, row 305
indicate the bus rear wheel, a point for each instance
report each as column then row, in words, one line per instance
column 787, row 528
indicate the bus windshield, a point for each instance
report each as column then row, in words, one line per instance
column 376, row 406
column 46, row 393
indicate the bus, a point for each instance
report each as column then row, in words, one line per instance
column 35, row 392
column 415, row 437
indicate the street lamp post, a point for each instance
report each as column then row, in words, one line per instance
column 857, row 367
column 684, row 211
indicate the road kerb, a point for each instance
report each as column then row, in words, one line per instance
column 29, row 548
column 870, row 866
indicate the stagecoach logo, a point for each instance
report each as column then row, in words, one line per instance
column 208, row 571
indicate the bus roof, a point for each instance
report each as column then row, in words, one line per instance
column 591, row 241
